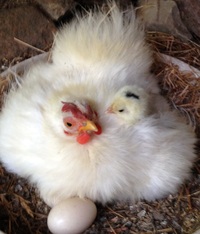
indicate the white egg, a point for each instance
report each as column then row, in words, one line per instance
column 71, row 216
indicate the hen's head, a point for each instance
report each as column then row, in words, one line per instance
column 130, row 104
column 80, row 120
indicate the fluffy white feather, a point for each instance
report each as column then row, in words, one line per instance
column 109, row 45
column 93, row 57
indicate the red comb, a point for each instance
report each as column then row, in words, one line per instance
column 68, row 106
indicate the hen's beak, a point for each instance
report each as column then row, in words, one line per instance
column 88, row 126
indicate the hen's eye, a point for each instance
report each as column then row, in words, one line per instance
column 68, row 124
column 121, row 110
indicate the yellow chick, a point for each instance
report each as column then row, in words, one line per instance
column 130, row 104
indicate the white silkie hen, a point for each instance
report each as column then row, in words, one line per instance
column 54, row 129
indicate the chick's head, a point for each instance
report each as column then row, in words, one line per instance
column 130, row 104
column 80, row 120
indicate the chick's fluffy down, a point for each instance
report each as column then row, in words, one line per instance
column 93, row 58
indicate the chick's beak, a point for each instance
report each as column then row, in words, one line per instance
column 88, row 126
column 110, row 110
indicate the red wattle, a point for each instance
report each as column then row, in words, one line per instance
column 99, row 129
column 83, row 138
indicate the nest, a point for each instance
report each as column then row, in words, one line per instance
column 22, row 211
column 181, row 88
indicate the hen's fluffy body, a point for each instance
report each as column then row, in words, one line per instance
column 92, row 58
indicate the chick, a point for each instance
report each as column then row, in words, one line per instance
column 130, row 104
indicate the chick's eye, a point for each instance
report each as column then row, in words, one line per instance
column 121, row 110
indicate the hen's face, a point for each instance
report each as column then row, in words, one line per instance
column 80, row 121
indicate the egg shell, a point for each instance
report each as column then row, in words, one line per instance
column 71, row 216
